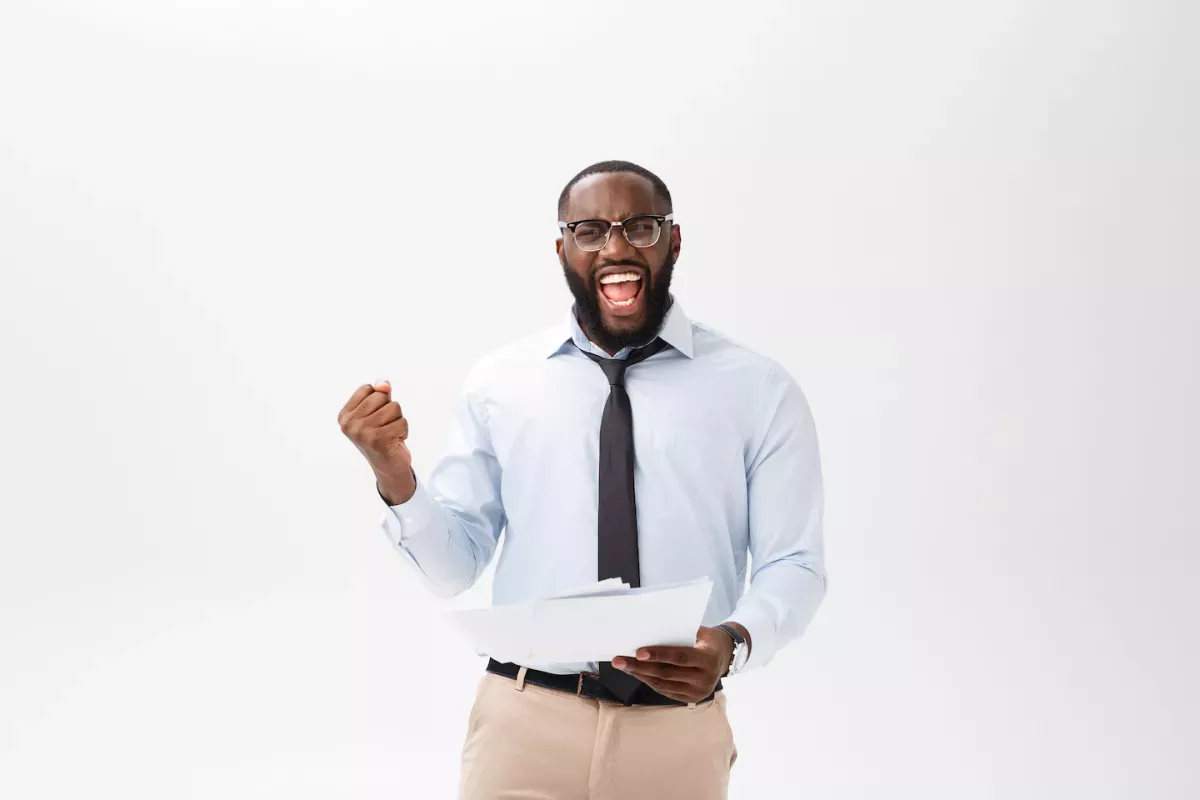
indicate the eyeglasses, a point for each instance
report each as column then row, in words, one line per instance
column 640, row 231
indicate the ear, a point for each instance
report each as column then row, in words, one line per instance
column 558, row 246
column 676, row 241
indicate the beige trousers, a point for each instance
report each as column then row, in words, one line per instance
column 532, row 743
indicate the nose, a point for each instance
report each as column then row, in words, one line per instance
column 618, row 248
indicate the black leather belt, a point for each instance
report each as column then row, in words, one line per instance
column 586, row 684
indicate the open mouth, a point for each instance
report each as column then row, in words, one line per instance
column 621, row 289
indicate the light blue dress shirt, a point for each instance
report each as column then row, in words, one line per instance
column 726, row 466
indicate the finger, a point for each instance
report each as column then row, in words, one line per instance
column 397, row 429
column 360, row 394
column 372, row 403
column 384, row 387
column 357, row 419
column 680, row 656
column 667, row 672
column 643, row 660
column 384, row 414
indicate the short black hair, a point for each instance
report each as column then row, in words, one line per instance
column 660, row 188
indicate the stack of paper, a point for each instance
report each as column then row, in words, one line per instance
column 592, row 623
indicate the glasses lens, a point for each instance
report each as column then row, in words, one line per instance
column 642, row 231
column 591, row 235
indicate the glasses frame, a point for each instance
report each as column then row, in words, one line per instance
column 662, row 219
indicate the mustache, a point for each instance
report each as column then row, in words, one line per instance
column 607, row 264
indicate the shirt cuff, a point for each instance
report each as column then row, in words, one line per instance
column 409, row 518
column 404, row 522
column 755, row 615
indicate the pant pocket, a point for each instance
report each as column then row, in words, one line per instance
column 719, row 702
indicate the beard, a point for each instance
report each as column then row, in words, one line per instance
column 587, row 308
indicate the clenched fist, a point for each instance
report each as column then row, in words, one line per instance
column 374, row 422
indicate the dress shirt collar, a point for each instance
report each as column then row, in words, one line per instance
column 676, row 331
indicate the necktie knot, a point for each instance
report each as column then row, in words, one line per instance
column 614, row 368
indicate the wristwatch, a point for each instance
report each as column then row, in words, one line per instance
column 740, row 651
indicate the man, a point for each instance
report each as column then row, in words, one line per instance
column 626, row 442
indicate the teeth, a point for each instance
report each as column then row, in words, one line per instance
column 628, row 302
column 622, row 277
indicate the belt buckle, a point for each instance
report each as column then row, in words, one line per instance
column 579, row 685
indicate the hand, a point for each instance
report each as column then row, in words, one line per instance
column 377, row 427
column 686, row 674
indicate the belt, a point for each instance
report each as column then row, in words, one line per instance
column 586, row 684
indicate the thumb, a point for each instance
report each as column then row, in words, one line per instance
column 383, row 385
column 705, row 639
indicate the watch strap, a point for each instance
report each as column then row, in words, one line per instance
column 733, row 634
column 739, row 642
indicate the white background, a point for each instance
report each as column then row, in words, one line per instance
column 968, row 229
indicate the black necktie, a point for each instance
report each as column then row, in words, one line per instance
column 617, row 527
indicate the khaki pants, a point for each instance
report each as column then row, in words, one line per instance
column 528, row 742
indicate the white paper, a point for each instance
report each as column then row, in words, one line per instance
column 599, row 587
column 503, row 632
column 594, row 623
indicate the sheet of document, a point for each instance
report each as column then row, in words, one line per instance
column 599, row 587
column 592, row 623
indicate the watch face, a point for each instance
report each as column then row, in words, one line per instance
column 739, row 658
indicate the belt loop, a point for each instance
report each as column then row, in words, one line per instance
column 691, row 705
column 579, row 686
column 521, row 678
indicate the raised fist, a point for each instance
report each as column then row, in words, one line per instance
column 374, row 422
